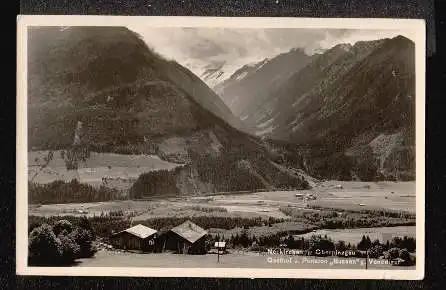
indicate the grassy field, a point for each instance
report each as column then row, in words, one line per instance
column 263, row 231
column 354, row 235
column 143, row 209
column 398, row 196
column 120, row 170
column 231, row 260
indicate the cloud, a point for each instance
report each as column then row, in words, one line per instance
column 199, row 47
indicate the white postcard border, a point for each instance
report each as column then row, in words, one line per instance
column 416, row 26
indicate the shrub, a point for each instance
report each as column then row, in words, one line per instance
column 43, row 246
column 71, row 243
column 61, row 226
column 84, row 238
column 318, row 242
column 376, row 251
column 69, row 249
column 85, row 223
column 341, row 246
column 404, row 243
column 293, row 243
column 393, row 253
column 404, row 254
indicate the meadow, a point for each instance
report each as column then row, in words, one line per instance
column 119, row 170
column 354, row 235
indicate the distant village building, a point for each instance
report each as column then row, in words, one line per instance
column 187, row 238
column 138, row 237
column 310, row 196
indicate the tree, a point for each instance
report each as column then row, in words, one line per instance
column 387, row 245
column 61, row 226
column 244, row 239
column 409, row 244
column 318, row 242
column 375, row 251
column 393, row 253
column 85, row 223
column 376, row 243
column 396, row 242
column 289, row 241
column 43, row 246
column 365, row 243
column 340, row 246
column 69, row 249
column 404, row 255
column 84, row 238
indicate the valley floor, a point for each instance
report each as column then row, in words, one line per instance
column 397, row 196
column 342, row 198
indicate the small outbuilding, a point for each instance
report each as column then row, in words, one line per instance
column 220, row 246
column 138, row 237
column 187, row 238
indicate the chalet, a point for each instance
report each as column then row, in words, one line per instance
column 187, row 238
column 138, row 237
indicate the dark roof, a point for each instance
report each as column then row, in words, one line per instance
column 189, row 231
column 141, row 231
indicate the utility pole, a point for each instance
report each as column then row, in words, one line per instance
column 366, row 258
column 218, row 251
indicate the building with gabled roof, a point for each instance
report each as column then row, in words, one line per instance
column 138, row 237
column 187, row 238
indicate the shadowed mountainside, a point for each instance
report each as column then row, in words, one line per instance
column 349, row 113
column 251, row 84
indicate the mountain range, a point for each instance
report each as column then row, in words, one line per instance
column 107, row 88
column 348, row 112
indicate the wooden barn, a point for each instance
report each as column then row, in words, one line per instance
column 187, row 238
column 138, row 237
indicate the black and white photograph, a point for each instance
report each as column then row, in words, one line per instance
column 231, row 147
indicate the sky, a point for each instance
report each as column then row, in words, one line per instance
column 199, row 47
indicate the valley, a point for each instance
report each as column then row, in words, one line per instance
column 391, row 196
column 296, row 151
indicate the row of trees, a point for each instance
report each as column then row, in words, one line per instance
column 100, row 226
column 316, row 242
column 339, row 219
column 207, row 222
column 60, row 244
column 73, row 191
column 105, row 224
column 405, row 242
column 374, row 212
column 155, row 183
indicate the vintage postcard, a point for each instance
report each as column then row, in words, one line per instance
column 220, row 147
